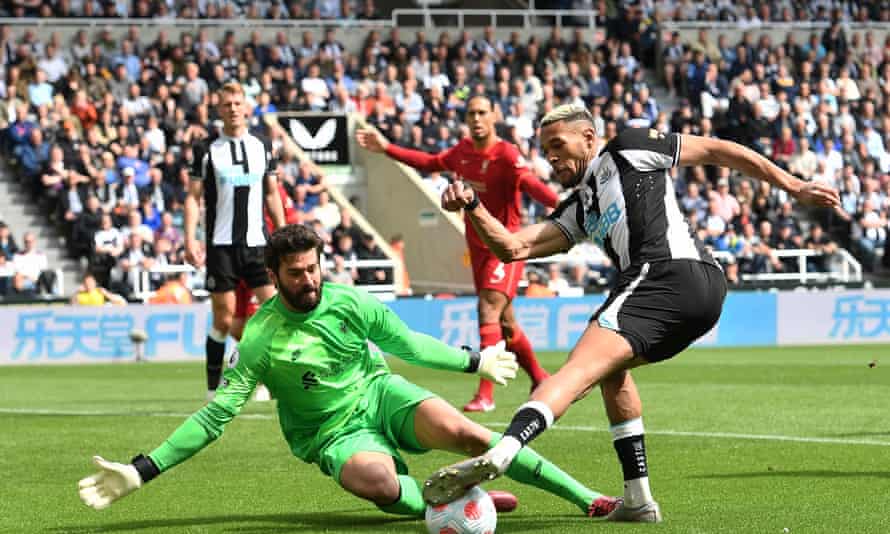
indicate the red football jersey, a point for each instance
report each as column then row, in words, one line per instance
column 287, row 204
column 498, row 174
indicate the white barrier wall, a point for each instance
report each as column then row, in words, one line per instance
column 833, row 317
column 65, row 334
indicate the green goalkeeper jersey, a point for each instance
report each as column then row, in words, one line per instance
column 317, row 365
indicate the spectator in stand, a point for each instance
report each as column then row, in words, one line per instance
column 89, row 293
column 537, row 285
column 33, row 156
column 339, row 273
column 727, row 206
column 821, row 243
column 870, row 233
column 8, row 247
column 369, row 249
column 173, row 291
column 557, row 282
column 33, row 266
column 692, row 201
column 137, row 256
column 20, row 289
column 312, row 181
column 326, row 211
column 109, row 244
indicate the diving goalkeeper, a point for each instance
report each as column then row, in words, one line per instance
column 338, row 404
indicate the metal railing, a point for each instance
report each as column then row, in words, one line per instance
column 499, row 18
column 850, row 270
column 143, row 290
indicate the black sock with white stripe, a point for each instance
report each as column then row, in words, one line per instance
column 216, row 353
column 530, row 420
column 629, row 442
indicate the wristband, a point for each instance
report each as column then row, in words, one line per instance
column 475, row 359
column 473, row 204
column 145, row 467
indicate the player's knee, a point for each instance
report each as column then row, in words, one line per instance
column 376, row 484
column 222, row 322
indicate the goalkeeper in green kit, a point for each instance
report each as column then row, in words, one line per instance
column 338, row 404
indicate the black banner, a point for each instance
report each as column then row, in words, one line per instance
column 324, row 137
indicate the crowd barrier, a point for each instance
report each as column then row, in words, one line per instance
column 48, row 334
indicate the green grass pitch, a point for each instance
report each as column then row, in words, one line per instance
column 739, row 441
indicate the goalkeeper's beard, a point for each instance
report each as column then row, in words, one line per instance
column 303, row 301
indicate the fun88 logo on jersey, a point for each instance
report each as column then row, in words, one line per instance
column 598, row 226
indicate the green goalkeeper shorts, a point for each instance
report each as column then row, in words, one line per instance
column 384, row 424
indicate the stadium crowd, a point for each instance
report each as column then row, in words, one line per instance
column 101, row 129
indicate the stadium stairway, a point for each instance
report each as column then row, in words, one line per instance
column 22, row 215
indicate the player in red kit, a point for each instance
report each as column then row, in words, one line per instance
column 497, row 171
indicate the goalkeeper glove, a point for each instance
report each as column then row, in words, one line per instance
column 494, row 363
column 115, row 480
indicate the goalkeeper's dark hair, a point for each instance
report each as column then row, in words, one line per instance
column 290, row 239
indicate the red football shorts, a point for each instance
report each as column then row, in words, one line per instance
column 246, row 303
column 490, row 273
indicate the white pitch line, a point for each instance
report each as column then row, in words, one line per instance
column 566, row 428
column 728, row 435
column 104, row 413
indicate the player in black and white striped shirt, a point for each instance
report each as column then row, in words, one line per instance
column 669, row 290
column 235, row 174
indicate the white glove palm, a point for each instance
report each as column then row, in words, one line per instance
column 108, row 485
column 497, row 364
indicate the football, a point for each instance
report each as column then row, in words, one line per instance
column 474, row 513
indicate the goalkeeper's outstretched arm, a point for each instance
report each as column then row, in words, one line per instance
column 116, row 480
column 394, row 337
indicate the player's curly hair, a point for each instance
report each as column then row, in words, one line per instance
column 288, row 240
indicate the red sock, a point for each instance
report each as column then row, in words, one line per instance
column 525, row 356
column 489, row 334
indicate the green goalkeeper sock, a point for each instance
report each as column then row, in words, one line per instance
column 533, row 469
column 410, row 499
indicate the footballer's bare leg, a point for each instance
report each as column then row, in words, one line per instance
column 223, row 307
column 625, row 410
column 599, row 353
column 519, row 344
column 489, row 307
column 264, row 293
column 438, row 425
column 371, row 476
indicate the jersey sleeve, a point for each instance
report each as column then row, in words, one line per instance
column 646, row 149
column 525, row 179
column 421, row 161
column 394, row 337
column 203, row 427
column 537, row 189
column 199, row 164
column 569, row 218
